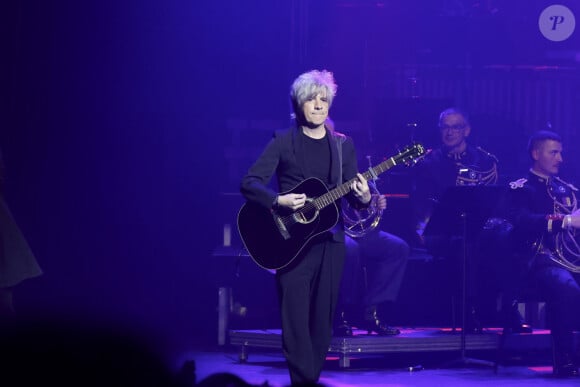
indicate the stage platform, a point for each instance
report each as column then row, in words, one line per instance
column 410, row 340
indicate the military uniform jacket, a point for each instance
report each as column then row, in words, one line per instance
column 535, row 207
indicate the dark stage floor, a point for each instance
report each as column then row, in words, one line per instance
column 375, row 371
column 418, row 357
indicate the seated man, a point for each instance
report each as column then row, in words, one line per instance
column 457, row 163
column 373, row 272
column 542, row 213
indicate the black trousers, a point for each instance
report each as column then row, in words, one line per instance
column 308, row 291
column 385, row 257
column 561, row 291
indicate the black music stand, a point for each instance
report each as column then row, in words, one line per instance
column 461, row 213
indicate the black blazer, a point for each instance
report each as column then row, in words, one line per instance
column 284, row 157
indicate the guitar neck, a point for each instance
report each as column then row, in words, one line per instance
column 343, row 189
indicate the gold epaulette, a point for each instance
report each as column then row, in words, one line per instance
column 518, row 183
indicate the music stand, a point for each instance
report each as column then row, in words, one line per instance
column 462, row 212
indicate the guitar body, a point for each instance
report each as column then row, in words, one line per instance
column 267, row 245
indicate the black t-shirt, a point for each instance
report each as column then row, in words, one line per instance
column 317, row 156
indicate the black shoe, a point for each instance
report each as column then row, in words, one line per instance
column 513, row 320
column 379, row 328
column 372, row 323
column 514, row 323
column 521, row 327
column 473, row 325
column 566, row 371
column 343, row 329
column 473, row 329
column 565, row 367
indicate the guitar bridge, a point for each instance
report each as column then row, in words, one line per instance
column 281, row 226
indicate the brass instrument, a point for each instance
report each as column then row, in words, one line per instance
column 567, row 250
column 566, row 242
column 358, row 222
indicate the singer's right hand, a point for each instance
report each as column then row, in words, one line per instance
column 292, row 200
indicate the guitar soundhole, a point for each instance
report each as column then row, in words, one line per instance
column 307, row 213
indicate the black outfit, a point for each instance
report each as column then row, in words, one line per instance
column 17, row 262
column 534, row 207
column 308, row 287
column 437, row 173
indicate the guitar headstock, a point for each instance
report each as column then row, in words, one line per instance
column 411, row 154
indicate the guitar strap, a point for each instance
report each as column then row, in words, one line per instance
column 340, row 140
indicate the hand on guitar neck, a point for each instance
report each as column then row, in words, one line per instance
column 361, row 189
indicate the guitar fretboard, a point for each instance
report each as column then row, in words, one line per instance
column 343, row 189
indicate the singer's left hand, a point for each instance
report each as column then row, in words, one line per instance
column 361, row 190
